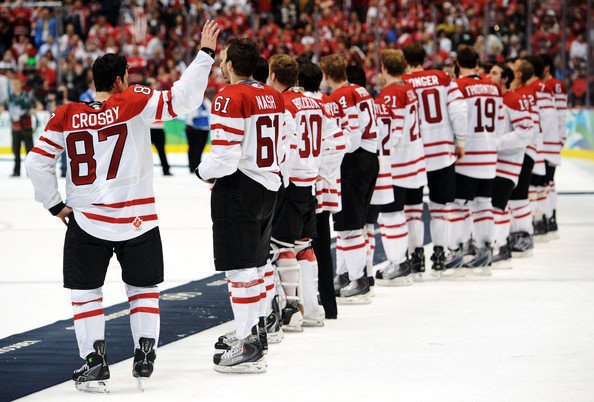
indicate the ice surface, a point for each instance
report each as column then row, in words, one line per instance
column 521, row 335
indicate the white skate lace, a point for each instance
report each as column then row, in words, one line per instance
column 351, row 285
column 230, row 336
column 235, row 350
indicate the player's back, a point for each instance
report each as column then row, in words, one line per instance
column 308, row 115
column 246, row 118
column 357, row 104
column 408, row 158
column 436, row 92
column 485, row 117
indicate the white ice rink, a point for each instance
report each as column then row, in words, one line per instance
column 525, row 334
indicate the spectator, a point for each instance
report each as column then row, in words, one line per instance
column 46, row 27
column 579, row 48
column 19, row 107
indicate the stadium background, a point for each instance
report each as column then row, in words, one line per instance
column 50, row 46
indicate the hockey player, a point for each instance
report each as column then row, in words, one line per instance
column 442, row 115
column 520, row 239
column 408, row 170
column 110, row 204
column 552, row 145
column 511, row 147
column 246, row 120
column 549, row 129
column 475, row 171
column 327, row 188
column 316, row 153
column 358, row 173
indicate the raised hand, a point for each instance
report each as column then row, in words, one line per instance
column 210, row 32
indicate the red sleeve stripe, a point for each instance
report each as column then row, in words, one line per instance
column 53, row 144
column 327, row 191
column 402, row 176
column 500, row 171
column 226, row 128
column 327, row 204
column 397, row 165
column 99, row 300
column 245, row 285
column 340, row 147
column 159, row 114
column 139, row 201
column 412, row 211
column 246, row 300
column 476, row 163
column 453, row 90
column 154, row 295
column 509, row 163
column 520, row 119
column 269, row 287
column 109, row 219
column 383, row 187
column 148, row 310
column 398, row 117
column 353, row 116
column 383, row 175
column 88, row 314
column 502, row 222
column 170, row 105
column 480, row 153
column 269, row 273
column 552, row 143
column 42, row 152
column 432, row 144
column 484, row 218
column 225, row 143
column 523, row 215
column 438, row 154
column 338, row 134
column 300, row 180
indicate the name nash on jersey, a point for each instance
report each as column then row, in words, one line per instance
column 266, row 102
column 109, row 116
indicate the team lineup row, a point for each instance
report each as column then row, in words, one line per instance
column 284, row 158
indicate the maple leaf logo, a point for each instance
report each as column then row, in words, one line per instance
column 137, row 223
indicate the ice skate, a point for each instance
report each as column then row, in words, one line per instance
column 502, row 258
column 245, row 356
column 397, row 275
column 469, row 248
column 540, row 230
column 552, row 227
column 453, row 265
column 357, row 292
column 93, row 375
column 314, row 319
column 340, row 281
column 274, row 325
column 438, row 259
column 521, row 244
column 417, row 262
column 226, row 341
column 481, row 263
column 292, row 317
column 262, row 334
column 144, row 360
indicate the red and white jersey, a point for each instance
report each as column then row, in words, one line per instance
column 518, row 133
column 320, row 142
column 549, row 125
column 387, row 122
column 245, row 126
column 109, row 182
column 552, row 146
column 442, row 115
column 527, row 93
column 408, row 159
column 358, row 106
column 328, row 189
column 485, row 118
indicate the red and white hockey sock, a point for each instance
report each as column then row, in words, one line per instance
column 502, row 226
column 89, row 320
column 370, row 232
column 482, row 218
column 551, row 200
column 416, row 227
column 341, row 267
column 245, row 299
column 309, row 276
column 521, row 216
column 351, row 244
column 467, row 227
column 543, row 204
column 144, row 313
column 394, row 235
column 262, row 307
column 534, row 195
column 458, row 215
column 440, row 223
column 270, row 287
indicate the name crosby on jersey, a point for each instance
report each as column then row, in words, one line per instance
column 108, row 116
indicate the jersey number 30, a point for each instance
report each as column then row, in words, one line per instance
column 86, row 157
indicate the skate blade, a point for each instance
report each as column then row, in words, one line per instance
column 478, row 271
column 553, row 235
column 454, row 273
column 418, row 277
column 354, row 300
column 95, row 387
column 313, row 323
column 257, row 367
column 522, row 254
column 293, row 328
column 502, row 265
column 275, row 337
column 541, row 238
column 401, row 281
column 437, row 274
column 141, row 383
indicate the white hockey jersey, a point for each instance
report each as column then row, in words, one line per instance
column 388, row 138
column 246, row 123
column 485, row 125
column 328, row 189
column 518, row 133
column 442, row 116
column 553, row 144
column 110, row 162
column 408, row 159
column 549, row 125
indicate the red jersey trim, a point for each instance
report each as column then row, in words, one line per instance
column 139, row 201
column 53, row 144
column 109, row 219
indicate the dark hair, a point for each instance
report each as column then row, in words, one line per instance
column 244, row 55
column 547, row 60
column 506, row 73
column 414, row 54
column 106, row 69
column 526, row 69
column 334, row 66
column 310, row 75
column 537, row 64
column 285, row 69
column 261, row 71
column 356, row 75
column 467, row 57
